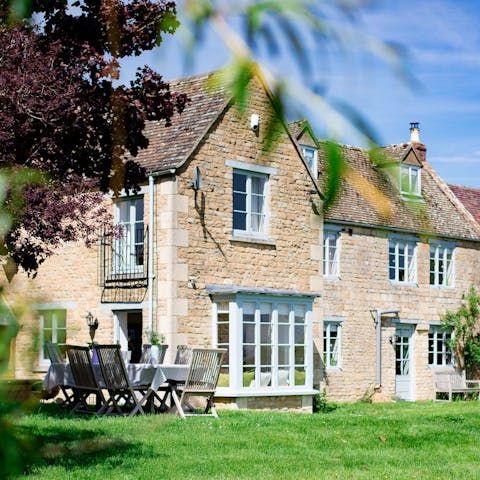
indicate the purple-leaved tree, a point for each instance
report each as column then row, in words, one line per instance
column 61, row 114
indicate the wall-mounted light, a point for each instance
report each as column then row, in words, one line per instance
column 92, row 323
column 255, row 122
column 192, row 282
column 196, row 183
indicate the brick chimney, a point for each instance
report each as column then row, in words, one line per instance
column 419, row 147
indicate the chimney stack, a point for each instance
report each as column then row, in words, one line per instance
column 419, row 147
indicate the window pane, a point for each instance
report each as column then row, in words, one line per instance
column 139, row 209
column 284, row 355
column 61, row 336
column 265, row 333
column 222, row 332
column 258, row 184
column 299, row 334
column 248, row 333
column 299, row 355
column 266, row 355
column 258, row 223
column 240, row 202
column 47, row 319
column 239, row 221
column 300, row 376
column 283, row 377
column 249, row 354
column 248, row 377
column 284, row 334
column 239, row 182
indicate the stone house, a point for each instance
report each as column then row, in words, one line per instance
column 227, row 245
column 398, row 251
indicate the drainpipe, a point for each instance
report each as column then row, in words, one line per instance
column 151, row 275
column 378, row 330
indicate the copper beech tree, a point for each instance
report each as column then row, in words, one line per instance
column 63, row 115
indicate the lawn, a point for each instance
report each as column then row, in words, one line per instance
column 364, row 441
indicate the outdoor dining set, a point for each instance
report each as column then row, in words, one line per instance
column 100, row 380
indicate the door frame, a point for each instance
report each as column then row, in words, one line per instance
column 411, row 364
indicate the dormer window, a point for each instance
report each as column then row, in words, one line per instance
column 410, row 180
column 310, row 154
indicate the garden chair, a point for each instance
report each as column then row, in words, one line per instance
column 183, row 356
column 201, row 380
column 146, row 353
column 122, row 393
column 56, row 356
column 86, row 383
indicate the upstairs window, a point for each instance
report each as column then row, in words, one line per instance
column 402, row 259
column 331, row 252
column 441, row 265
column 310, row 154
column 439, row 351
column 249, row 203
column 410, row 180
column 128, row 247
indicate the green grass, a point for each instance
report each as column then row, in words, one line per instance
column 360, row 441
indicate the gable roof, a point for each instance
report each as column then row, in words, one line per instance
column 470, row 197
column 369, row 186
column 169, row 147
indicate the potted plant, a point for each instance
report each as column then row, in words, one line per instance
column 156, row 340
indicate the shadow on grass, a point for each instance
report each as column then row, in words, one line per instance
column 76, row 443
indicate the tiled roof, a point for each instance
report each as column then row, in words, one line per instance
column 470, row 197
column 170, row 147
column 368, row 188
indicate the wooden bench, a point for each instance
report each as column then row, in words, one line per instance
column 452, row 382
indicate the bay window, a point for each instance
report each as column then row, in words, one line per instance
column 269, row 340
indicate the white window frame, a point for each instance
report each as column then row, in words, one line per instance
column 402, row 247
column 439, row 255
column 331, row 269
column 313, row 164
column 412, row 171
column 43, row 360
column 236, row 345
column 435, row 331
column 121, row 263
column 328, row 354
column 249, row 231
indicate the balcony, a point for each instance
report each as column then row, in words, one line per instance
column 123, row 265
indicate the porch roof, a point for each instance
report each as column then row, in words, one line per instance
column 213, row 289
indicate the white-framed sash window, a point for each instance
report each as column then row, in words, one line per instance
column 402, row 260
column 331, row 251
column 250, row 195
column 439, row 352
column 53, row 328
column 128, row 244
column 332, row 329
column 442, row 271
column 410, row 180
column 310, row 154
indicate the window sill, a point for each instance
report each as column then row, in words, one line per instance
column 264, row 392
column 412, row 198
column 403, row 284
column 443, row 287
column 332, row 277
column 333, row 369
column 259, row 240
column 443, row 368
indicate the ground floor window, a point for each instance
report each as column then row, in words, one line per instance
column 269, row 342
column 331, row 343
column 53, row 328
column 439, row 351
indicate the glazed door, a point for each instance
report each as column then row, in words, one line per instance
column 403, row 363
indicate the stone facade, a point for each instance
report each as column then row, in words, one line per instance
column 194, row 248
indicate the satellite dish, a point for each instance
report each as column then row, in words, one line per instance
column 196, row 183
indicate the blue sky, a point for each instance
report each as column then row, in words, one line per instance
column 441, row 39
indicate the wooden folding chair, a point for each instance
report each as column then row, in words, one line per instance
column 55, row 356
column 183, row 356
column 86, row 383
column 201, row 380
column 146, row 353
column 122, row 394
